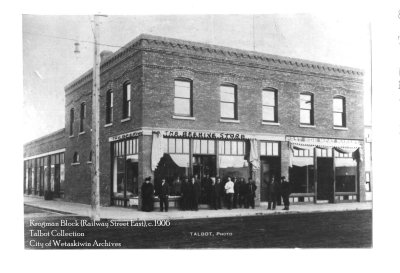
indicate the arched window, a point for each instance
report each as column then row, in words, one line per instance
column 71, row 121
column 109, row 107
column 126, row 101
column 82, row 117
column 228, row 101
column 307, row 108
column 270, row 105
column 75, row 159
column 339, row 111
column 183, row 103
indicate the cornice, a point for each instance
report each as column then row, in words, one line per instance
column 194, row 49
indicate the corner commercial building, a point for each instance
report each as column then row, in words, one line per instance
column 173, row 108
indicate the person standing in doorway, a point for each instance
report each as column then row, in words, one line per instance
column 195, row 193
column 272, row 191
column 164, row 195
column 229, row 189
column 147, row 195
column 285, row 191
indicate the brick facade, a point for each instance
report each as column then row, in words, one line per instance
column 151, row 64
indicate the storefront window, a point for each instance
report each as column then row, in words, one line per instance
column 302, row 171
column 125, row 168
column 345, row 173
column 231, row 160
column 175, row 164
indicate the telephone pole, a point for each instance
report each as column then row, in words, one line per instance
column 95, row 147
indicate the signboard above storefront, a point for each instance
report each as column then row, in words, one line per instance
column 321, row 140
column 126, row 135
column 206, row 135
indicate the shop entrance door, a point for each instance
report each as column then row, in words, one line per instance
column 204, row 167
column 325, row 179
column 270, row 166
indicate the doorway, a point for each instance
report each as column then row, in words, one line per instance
column 325, row 179
column 270, row 166
column 204, row 167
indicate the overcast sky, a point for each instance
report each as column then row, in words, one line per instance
column 50, row 63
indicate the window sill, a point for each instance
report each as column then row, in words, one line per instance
column 229, row 120
column 75, row 164
column 307, row 126
column 183, row 117
column 125, row 119
column 341, row 128
column 82, row 133
column 270, row 123
column 71, row 136
column 89, row 162
column 108, row 124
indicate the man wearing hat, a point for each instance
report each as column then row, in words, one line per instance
column 285, row 191
column 147, row 195
column 163, row 196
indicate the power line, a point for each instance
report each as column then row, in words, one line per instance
column 70, row 39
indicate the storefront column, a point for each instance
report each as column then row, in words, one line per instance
column 361, row 174
column 334, row 176
column 144, row 164
column 315, row 176
column 285, row 159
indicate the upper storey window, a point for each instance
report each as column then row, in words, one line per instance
column 228, row 101
column 71, row 121
column 269, row 105
column 307, row 109
column 339, row 111
column 183, row 105
column 82, row 117
column 109, row 107
column 126, row 101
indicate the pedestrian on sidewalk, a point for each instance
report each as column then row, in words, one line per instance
column 185, row 197
column 195, row 193
column 229, row 189
column 272, row 192
column 251, row 193
column 285, row 191
column 147, row 195
column 164, row 195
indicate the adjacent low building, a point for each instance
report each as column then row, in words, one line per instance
column 172, row 108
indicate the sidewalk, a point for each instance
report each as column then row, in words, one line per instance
column 119, row 213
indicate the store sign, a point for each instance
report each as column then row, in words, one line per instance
column 206, row 135
column 321, row 140
column 126, row 135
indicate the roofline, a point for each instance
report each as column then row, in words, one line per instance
column 45, row 136
column 252, row 55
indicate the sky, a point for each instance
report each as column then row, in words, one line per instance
column 49, row 61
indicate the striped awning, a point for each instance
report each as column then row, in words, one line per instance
column 342, row 147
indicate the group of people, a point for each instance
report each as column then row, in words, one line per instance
column 276, row 190
column 234, row 193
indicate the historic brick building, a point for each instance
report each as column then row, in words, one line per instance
column 173, row 108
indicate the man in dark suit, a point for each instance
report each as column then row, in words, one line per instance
column 195, row 193
column 272, row 192
column 251, row 193
column 164, row 194
column 285, row 191
column 185, row 199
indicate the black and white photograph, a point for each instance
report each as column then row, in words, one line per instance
column 176, row 131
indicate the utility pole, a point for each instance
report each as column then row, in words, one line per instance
column 95, row 196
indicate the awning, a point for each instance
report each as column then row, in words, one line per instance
column 302, row 161
column 254, row 156
column 182, row 160
column 342, row 147
column 157, row 149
